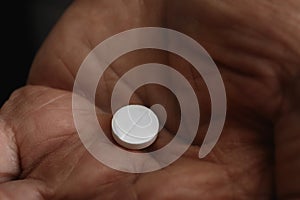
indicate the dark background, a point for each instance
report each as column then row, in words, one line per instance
column 24, row 26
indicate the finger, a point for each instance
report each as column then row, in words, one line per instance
column 24, row 189
column 9, row 162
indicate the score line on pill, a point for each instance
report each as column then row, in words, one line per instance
column 135, row 127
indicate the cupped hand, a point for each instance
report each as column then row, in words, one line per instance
column 255, row 45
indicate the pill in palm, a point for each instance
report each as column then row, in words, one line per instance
column 135, row 127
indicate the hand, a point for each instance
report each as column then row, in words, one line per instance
column 255, row 45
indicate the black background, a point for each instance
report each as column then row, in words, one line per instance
column 24, row 26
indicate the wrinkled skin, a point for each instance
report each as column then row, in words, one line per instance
column 256, row 45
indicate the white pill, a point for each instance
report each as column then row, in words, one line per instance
column 135, row 127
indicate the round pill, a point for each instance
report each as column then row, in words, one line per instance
column 135, row 127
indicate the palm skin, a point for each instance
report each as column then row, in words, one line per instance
column 257, row 154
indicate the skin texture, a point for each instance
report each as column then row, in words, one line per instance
column 256, row 45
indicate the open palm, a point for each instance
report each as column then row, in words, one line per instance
column 255, row 46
